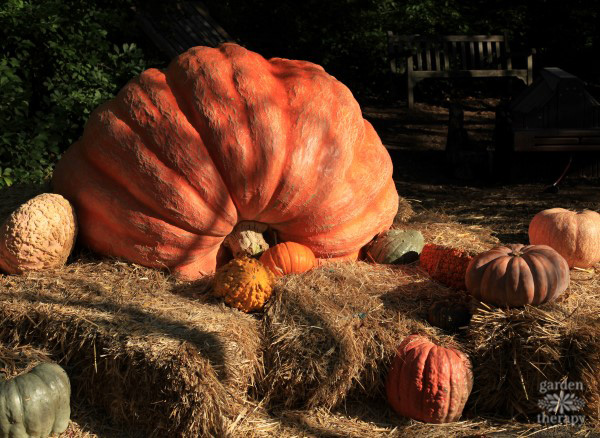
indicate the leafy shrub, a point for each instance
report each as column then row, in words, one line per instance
column 57, row 64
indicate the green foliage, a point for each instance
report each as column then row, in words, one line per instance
column 57, row 64
column 348, row 37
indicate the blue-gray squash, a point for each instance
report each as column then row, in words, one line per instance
column 35, row 404
column 397, row 246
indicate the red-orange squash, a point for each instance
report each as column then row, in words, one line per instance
column 427, row 382
column 166, row 169
column 445, row 264
column 288, row 258
column 574, row 235
column 516, row 275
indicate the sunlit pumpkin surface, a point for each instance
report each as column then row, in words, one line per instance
column 164, row 171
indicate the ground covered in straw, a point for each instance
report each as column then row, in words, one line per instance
column 151, row 356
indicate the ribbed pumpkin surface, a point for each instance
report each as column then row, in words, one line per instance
column 397, row 246
column 288, row 258
column 428, row 382
column 574, row 235
column 515, row 275
column 164, row 171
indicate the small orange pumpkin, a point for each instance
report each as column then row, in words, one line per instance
column 574, row 235
column 288, row 258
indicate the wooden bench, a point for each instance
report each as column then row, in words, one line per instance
column 557, row 140
column 454, row 56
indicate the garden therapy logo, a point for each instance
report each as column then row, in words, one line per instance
column 560, row 403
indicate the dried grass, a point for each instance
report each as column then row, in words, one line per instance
column 164, row 359
column 514, row 350
column 154, row 360
column 331, row 333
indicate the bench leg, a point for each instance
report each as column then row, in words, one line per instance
column 411, row 92
column 411, row 83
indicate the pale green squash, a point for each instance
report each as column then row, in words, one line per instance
column 397, row 246
column 35, row 404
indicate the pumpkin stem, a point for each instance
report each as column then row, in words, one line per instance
column 247, row 239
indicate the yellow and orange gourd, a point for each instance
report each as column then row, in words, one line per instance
column 244, row 283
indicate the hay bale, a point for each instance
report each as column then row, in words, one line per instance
column 19, row 359
column 331, row 333
column 359, row 420
column 85, row 422
column 515, row 350
column 156, row 361
column 441, row 229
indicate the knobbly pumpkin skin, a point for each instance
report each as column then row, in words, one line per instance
column 38, row 235
column 247, row 239
column 445, row 264
column 449, row 315
column 288, row 258
column 574, row 235
column 516, row 275
column 427, row 382
column 396, row 247
column 35, row 404
column 166, row 169
column 244, row 283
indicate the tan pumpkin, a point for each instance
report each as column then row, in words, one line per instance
column 288, row 258
column 575, row 235
column 40, row 234
column 428, row 382
column 516, row 275
column 247, row 239
column 166, row 170
column 244, row 283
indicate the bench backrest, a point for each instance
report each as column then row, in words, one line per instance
column 450, row 53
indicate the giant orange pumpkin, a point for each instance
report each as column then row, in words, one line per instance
column 166, row 169
column 573, row 234
column 515, row 275
column 428, row 382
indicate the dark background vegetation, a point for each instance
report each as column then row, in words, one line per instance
column 59, row 59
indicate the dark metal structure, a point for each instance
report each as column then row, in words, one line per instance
column 554, row 114
column 181, row 25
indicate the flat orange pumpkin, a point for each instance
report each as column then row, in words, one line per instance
column 166, row 169
column 515, row 275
